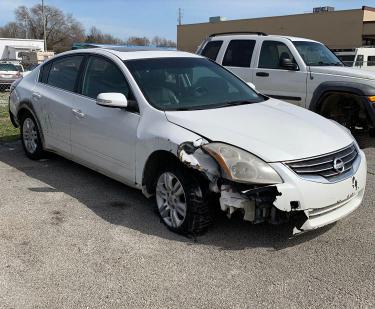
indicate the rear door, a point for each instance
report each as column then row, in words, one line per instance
column 55, row 96
column 237, row 58
column 271, row 79
column 104, row 137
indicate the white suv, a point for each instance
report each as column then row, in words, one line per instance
column 300, row 71
column 192, row 134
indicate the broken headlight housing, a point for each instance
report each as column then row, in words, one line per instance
column 241, row 166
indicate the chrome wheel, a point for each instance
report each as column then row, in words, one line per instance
column 171, row 200
column 29, row 135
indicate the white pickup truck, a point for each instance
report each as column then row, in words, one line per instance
column 300, row 71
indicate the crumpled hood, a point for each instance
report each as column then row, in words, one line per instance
column 272, row 130
column 344, row 71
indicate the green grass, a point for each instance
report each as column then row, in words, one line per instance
column 8, row 133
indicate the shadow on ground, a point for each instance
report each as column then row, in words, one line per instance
column 121, row 205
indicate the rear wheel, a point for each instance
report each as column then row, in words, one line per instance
column 181, row 202
column 31, row 141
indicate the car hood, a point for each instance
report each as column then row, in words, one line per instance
column 344, row 71
column 273, row 130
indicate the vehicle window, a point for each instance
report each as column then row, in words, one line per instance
column 212, row 49
column 359, row 61
column 316, row 54
column 272, row 53
column 7, row 67
column 347, row 59
column 189, row 84
column 239, row 53
column 64, row 72
column 102, row 76
column 19, row 68
column 370, row 61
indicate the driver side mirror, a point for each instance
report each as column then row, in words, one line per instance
column 288, row 64
column 112, row 99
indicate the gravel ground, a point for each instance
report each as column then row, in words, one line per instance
column 71, row 238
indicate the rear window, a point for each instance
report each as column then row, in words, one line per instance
column 7, row 67
column 64, row 72
column 212, row 49
column 239, row 53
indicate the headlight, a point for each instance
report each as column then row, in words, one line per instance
column 241, row 166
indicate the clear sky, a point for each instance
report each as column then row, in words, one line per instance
column 124, row 18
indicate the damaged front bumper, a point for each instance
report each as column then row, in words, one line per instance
column 307, row 204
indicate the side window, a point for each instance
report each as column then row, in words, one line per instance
column 359, row 61
column 271, row 54
column 101, row 76
column 239, row 53
column 43, row 74
column 370, row 61
column 212, row 49
column 64, row 72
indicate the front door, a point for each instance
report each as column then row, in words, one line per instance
column 103, row 137
column 271, row 79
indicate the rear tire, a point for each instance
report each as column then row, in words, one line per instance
column 182, row 202
column 30, row 137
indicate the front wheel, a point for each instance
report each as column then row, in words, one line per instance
column 31, row 141
column 181, row 202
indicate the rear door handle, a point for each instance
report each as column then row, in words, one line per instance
column 78, row 113
column 36, row 95
column 262, row 74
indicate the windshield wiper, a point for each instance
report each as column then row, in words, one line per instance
column 238, row 102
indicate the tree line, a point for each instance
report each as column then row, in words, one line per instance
column 62, row 30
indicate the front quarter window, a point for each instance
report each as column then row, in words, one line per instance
column 316, row 54
column 189, row 83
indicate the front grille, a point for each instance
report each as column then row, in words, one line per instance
column 324, row 165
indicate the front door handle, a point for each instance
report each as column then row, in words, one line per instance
column 262, row 74
column 36, row 95
column 78, row 113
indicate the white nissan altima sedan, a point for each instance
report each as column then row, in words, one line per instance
column 185, row 130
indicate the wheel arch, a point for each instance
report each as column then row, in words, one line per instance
column 360, row 90
column 27, row 107
column 154, row 163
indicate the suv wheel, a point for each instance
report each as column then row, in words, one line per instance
column 31, row 141
column 181, row 202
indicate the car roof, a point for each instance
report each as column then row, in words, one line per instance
column 130, row 54
column 265, row 37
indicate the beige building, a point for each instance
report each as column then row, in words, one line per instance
column 337, row 29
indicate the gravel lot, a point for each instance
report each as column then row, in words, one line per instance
column 71, row 238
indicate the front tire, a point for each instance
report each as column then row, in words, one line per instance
column 181, row 201
column 30, row 136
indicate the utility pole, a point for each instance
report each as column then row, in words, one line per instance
column 180, row 16
column 44, row 27
column 26, row 27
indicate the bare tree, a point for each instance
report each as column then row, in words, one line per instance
column 96, row 36
column 12, row 30
column 163, row 42
column 139, row 41
column 61, row 30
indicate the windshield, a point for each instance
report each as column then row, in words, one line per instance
column 316, row 54
column 189, row 83
column 7, row 67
